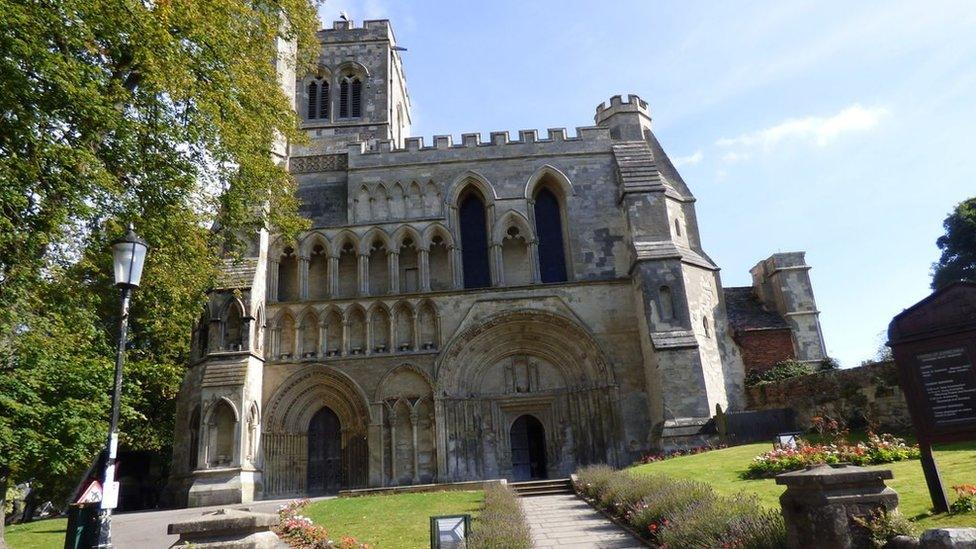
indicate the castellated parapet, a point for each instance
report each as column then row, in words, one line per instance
column 618, row 105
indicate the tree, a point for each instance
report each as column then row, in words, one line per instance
column 958, row 245
column 159, row 113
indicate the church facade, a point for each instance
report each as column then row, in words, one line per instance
column 505, row 308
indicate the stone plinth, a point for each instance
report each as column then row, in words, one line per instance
column 949, row 538
column 228, row 529
column 821, row 502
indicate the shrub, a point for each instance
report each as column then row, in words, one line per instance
column 877, row 450
column 661, row 456
column 681, row 513
column 782, row 370
column 590, row 480
column 965, row 500
column 501, row 522
column 882, row 526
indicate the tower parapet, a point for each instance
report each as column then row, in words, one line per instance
column 628, row 120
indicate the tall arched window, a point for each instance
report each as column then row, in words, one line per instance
column 549, row 228
column 317, row 92
column 350, row 97
column 474, row 240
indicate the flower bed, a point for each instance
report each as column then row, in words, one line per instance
column 680, row 513
column 501, row 522
column 300, row 532
column 661, row 456
column 877, row 450
column 965, row 499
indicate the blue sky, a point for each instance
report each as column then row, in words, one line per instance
column 844, row 129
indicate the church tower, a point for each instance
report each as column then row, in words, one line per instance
column 358, row 91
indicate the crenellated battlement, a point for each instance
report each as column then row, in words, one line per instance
column 633, row 103
column 347, row 31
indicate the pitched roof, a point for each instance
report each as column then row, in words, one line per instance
column 747, row 313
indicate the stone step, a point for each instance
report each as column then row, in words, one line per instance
column 543, row 487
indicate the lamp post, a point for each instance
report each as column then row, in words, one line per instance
column 128, row 256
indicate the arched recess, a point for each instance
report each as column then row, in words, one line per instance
column 408, row 242
column 283, row 336
column 288, row 275
column 287, row 416
column 315, row 95
column 309, row 328
column 253, row 434
column 350, row 83
column 474, row 179
column 379, row 332
column 356, row 330
column 332, row 338
column 514, row 235
column 362, row 205
column 316, row 247
column 221, row 423
column 380, row 203
column 345, row 248
column 234, row 326
column 431, row 199
column 440, row 249
column 376, row 246
column 415, row 200
column 547, row 192
column 429, row 325
column 404, row 326
column 193, row 450
column 202, row 333
column 409, row 447
column 398, row 205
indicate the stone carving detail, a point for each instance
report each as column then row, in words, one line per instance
column 318, row 163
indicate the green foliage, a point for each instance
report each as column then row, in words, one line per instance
column 501, row 522
column 782, row 370
column 882, row 526
column 958, row 245
column 681, row 513
column 159, row 113
column 965, row 499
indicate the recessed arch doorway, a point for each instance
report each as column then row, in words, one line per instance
column 528, row 443
column 324, row 453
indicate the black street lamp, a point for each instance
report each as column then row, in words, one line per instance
column 128, row 255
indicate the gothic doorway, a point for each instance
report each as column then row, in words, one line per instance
column 324, row 453
column 528, row 443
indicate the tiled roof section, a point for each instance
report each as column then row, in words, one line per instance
column 236, row 273
column 746, row 312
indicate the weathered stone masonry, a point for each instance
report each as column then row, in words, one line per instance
column 509, row 307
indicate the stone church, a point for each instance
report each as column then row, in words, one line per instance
column 505, row 308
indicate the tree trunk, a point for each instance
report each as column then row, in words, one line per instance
column 4, row 474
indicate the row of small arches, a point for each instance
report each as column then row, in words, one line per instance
column 354, row 330
column 379, row 202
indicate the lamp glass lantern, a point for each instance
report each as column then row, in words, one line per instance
column 129, row 256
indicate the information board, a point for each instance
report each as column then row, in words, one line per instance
column 949, row 386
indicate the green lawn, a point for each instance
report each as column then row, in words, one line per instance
column 42, row 534
column 393, row 521
column 722, row 469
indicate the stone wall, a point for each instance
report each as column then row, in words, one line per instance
column 858, row 395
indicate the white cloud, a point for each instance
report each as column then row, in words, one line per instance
column 818, row 130
column 689, row 160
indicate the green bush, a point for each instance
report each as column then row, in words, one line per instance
column 882, row 526
column 501, row 522
column 782, row 370
column 681, row 513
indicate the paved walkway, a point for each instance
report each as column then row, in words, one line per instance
column 567, row 521
column 147, row 529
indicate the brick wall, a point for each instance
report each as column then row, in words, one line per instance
column 866, row 393
column 762, row 349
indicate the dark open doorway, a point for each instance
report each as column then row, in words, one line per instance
column 528, row 443
column 324, row 453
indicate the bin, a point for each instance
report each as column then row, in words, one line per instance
column 82, row 531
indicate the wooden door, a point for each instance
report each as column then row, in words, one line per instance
column 528, row 443
column 324, row 453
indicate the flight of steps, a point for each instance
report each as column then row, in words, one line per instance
column 542, row 487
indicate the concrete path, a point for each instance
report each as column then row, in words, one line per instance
column 567, row 521
column 147, row 529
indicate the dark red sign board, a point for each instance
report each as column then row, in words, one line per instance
column 934, row 345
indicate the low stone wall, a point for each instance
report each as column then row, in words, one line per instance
column 858, row 395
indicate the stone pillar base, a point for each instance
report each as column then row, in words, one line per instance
column 223, row 487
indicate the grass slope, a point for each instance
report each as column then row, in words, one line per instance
column 394, row 521
column 722, row 469
column 41, row 534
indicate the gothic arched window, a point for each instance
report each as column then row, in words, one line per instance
column 350, row 97
column 474, row 240
column 317, row 93
column 549, row 228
